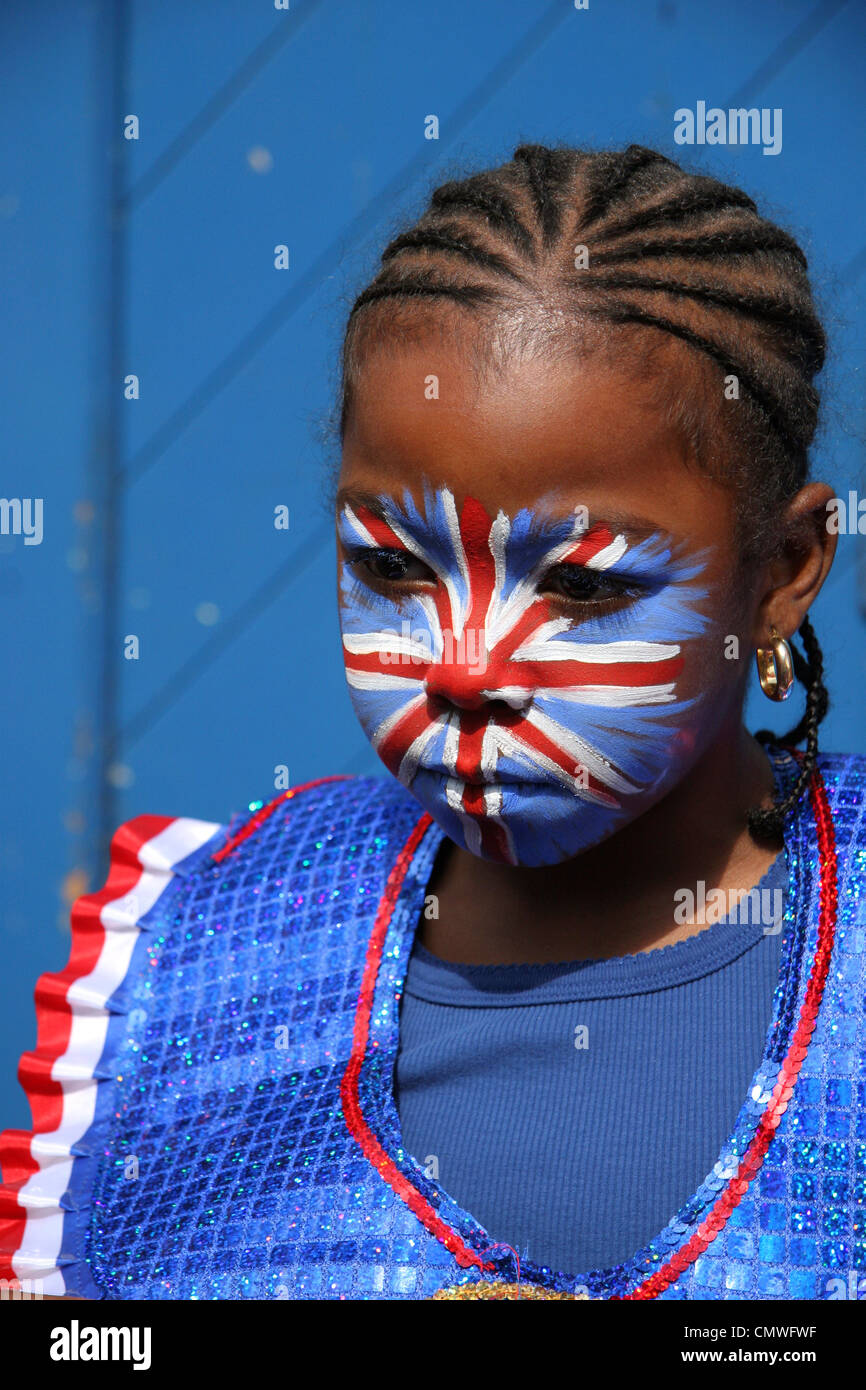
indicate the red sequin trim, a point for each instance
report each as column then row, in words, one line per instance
column 778, row 1104
column 262, row 815
column 769, row 1122
column 355, row 1121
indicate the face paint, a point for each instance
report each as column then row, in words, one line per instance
column 576, row 738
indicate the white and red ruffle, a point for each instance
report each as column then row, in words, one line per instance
column 61, row 1075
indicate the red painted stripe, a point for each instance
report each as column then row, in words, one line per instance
column 494, row 839
column 530, row 620
column 475, row 525
column 265, row 812
column 379, row 530
column 470, row 743
column 597, row 538
column 357, row 1125
column 537, row 741
column 552, row 675
column 395, row 745
column 754, row 1156
column 397, row 664
column 54, row 1025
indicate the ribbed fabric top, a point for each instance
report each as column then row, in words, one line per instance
column 572, row 1108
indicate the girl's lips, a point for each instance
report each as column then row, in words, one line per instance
column 477, row 784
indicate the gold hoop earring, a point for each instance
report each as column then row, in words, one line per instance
column 775, row 667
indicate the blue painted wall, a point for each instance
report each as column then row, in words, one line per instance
column 258, row 127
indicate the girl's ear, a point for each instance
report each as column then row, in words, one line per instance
column 794, row 578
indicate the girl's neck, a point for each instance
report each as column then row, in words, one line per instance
column 617, row 898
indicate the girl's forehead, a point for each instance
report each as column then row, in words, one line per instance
column 408, row 400
column 549, row 441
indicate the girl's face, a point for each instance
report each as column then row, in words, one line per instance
column 539, row 622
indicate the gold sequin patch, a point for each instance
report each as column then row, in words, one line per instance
column 500, row 1289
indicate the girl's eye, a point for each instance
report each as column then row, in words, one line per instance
column 393, row 566
column 586, row 585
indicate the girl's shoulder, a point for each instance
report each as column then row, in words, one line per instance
column 323, row 820
column 840, row 781
column 843, row 786
column 850, row 765
column 827, row 825
column 250, row 913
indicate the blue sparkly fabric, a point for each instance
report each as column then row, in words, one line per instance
column 233, row 1028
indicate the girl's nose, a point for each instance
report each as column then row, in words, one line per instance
column 467, row 689
column 458, row 685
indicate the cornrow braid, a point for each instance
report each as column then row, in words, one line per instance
column 688, row 202
column 668, row 252
column 452, row 238
column 547, row 174
column 477, row 195
column 708, row 246
column 609, row 176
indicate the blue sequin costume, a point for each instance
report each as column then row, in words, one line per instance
column 218, row 1119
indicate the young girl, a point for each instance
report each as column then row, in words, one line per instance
column 570, row 1005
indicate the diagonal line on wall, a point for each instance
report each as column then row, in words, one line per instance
column 186, row 675
column 217, row 106
column 789, row 48
column 325, row 264
column 225, row 372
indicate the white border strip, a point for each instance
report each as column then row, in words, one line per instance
column 37, row 1257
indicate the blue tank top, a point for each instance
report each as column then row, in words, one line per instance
column 547, row 1100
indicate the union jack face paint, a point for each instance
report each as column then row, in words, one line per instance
column 528, row 734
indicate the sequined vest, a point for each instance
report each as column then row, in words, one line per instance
column 212, row 1086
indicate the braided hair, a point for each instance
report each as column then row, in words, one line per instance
column 663, row 250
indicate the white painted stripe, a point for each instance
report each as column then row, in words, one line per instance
column 499, row 533
column 492, row 798
column 458, row 606
column 608, row 556
column 428, row 607
column 583, row 753
column 371, row 643
column 358, row 527
column 388, row 725
column 512, row 748
column 609, row 696
column 454, row 793
column 411, row 758
column 540, row 648
column 452, row 742
column 371, row 680
column 503, row 613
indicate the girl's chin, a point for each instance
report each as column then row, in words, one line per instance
column 527, row 824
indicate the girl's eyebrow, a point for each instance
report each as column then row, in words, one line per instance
column 620, row 523
column 355, row 497
column 638, row 528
